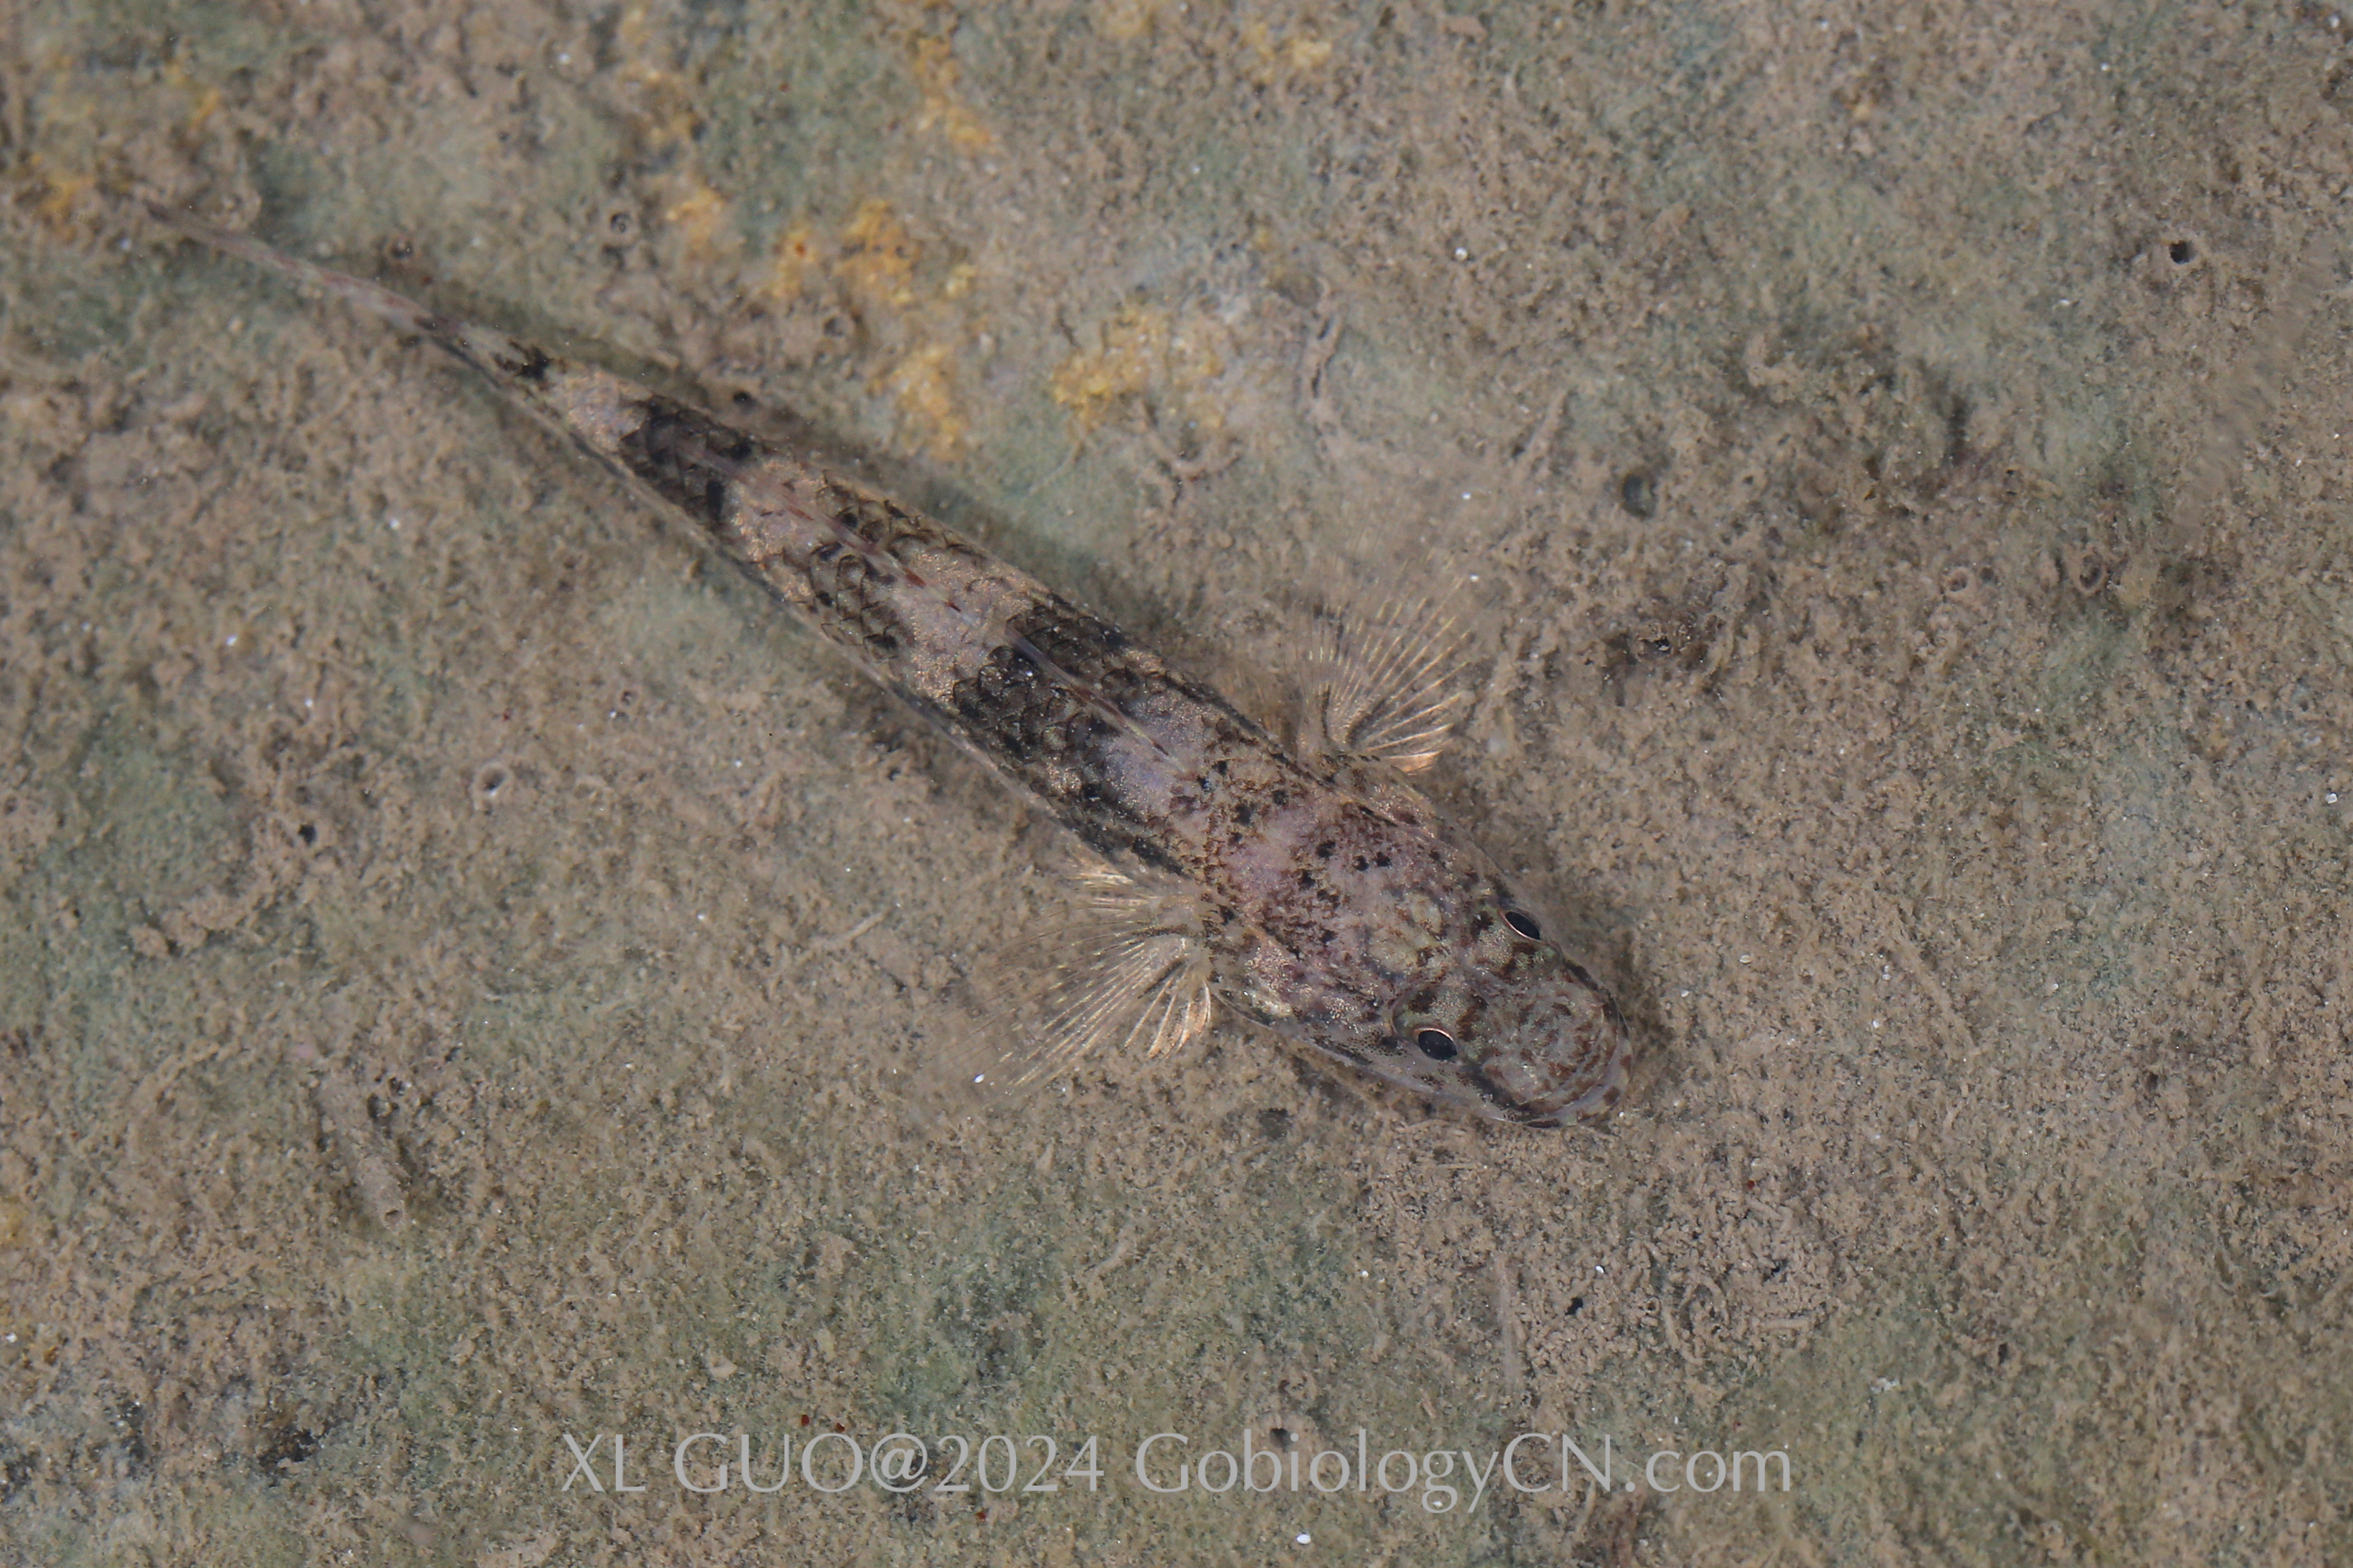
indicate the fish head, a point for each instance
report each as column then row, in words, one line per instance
column 1505, row 1022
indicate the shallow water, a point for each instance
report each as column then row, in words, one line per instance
column 1901, row 447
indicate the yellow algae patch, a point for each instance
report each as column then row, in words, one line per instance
column 878, row 257
column 922, row 386
column 1123, row 20
column 204, row 101
column 873, row 263
column 1132, row 349
column 931, row 61
column 1143, row 352
column 876, row 269
column 1276, row 56
column 1305, row 53
column 662, row 102
column 54, row 194
column 698, row 217
column 797, row 257
column 664, row 107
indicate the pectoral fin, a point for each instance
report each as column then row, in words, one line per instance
column 1128, row 972
column 1388, row 677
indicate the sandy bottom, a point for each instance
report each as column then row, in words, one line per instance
column 463, row 956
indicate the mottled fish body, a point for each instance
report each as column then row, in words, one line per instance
column 1307, row 885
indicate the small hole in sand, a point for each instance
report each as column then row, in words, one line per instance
column 489, row 781
column 1639, row 494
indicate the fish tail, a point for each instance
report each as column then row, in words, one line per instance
column 680, row 454
column 495, row 354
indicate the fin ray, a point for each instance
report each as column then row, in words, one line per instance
column 1128, row 974
column 1389, row 680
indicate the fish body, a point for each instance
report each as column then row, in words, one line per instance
column 1306, row 886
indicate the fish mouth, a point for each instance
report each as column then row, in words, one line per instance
column 1546, row 1111
column 1602, row 1096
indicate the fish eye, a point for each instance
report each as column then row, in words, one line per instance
column 1435, row 1044
column 1523, row 924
